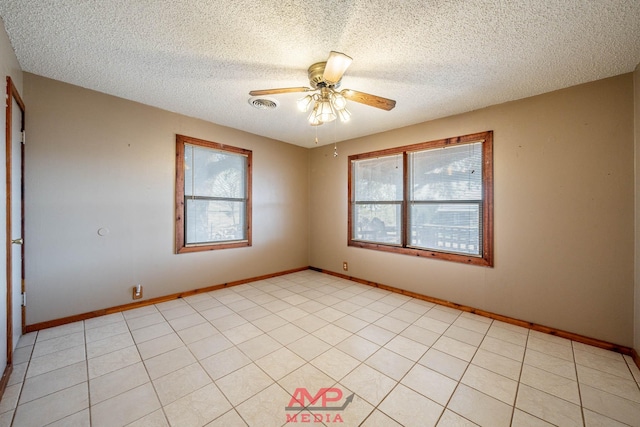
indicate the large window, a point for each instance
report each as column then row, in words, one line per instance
column 213, row 195
column 433, row 199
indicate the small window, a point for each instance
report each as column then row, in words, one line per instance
column 433, row 199
column 213, row 195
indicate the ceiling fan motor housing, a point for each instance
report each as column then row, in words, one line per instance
column 316, row 80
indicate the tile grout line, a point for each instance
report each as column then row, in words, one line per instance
column 376, row 407
column 236, row 346
column 515, row 399
column 86, row 364
column 463, row 372
column 626, row 361
column 24, row 379
column 575, row 365
column 213, row 381
column 85, row 360
column 461, row 375
column 332, row 346
column 146, row 370
column 397, row 382
column 233, row 407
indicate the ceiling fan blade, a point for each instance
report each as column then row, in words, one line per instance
column 336, row 65
column 280, row 90
column 368, row 99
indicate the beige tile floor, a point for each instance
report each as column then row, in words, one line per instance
column 235, row 357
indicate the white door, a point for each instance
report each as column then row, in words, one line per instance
column 14, row 219
column 5, row 353
column 17, row 247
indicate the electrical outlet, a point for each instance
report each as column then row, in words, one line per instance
column 137, row 292
column 345, row 266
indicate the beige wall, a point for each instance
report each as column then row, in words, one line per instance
column 564, row 207
column 564, row 212
column 636, row 320
column 96, row 161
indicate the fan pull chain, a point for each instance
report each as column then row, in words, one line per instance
column 335, row 144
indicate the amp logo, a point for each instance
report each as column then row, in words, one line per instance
column 321, row 407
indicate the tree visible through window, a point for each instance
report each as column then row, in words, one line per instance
column 431, row 199
column 213, row 189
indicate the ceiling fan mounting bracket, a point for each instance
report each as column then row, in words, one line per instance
column 316, row 79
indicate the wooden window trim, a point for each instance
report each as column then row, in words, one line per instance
column 487, row 201
column 181, row 247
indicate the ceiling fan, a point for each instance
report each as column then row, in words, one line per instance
column 327, row 102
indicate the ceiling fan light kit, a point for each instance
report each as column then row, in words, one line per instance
column 329, row 104
column 305, row 103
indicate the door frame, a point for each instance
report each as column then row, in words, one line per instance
column 12, row 94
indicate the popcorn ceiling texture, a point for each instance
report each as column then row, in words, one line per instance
column 435, row 58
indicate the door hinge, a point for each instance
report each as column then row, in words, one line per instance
column 24, row 299
column 24, row 138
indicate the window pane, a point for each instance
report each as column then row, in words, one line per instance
column 447, row 227
column 431, row 199
column 378, row 179
column 451, row 173
column 212, row 173
column 214, row 221
column 213, row 196
column 377, row 223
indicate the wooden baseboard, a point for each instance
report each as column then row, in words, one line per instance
column 5, row 378
column 138, row 304
column 523, row 323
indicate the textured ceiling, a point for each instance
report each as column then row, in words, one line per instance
column 435, row 58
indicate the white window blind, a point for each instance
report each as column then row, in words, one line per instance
column 215, row 193
column 446, row 199
column 377, row 202
column 431, row 199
